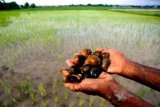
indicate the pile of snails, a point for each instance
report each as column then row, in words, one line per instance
column 87, row 64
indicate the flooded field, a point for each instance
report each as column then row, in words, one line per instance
column 35, row 44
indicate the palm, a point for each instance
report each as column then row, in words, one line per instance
column 117, row 61
column 92, row 86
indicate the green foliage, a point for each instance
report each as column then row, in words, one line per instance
column 27, row 88
column 32, row 97
column 140, row 12
column 8, row 6
column 91, row 100
column 26, row 5
column 71, row 104
column 6, row 87
column 41, row 90
column 56, row 99
column 143, row 91
column 32, row 5
column 65, row 92
column 81, row 102
column 44, row 103
column 102, row 101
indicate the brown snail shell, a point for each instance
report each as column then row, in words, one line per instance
column 106, row 55
column 105, row 64
column 74, row 70
column 99, row 54
column 86, row 68
column 73, row 78
column 94, row 72
column 92, row 60
column 78, row 59
column 85, row 52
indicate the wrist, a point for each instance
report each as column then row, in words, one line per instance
column 116, row 94
column 128, row 68
column 109, row 90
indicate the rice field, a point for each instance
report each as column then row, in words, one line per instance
column 35, row 44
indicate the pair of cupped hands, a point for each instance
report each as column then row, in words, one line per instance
column 102, row 84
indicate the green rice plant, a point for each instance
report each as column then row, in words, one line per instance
column 41, row 90
column 44, row 103
column 23, row 105
column 81, row 102
column 102, row 101
column 71, row 104
column 56, row 99
column 54, row 91
column 16, row 98
column 91, row 100
column 25, row 86
column 55, row 83
column 65, row 92
column 77, row 95
column 14, row 101
column 6, row 87
column 32, row 97
column 143, row 91
column 60, row 58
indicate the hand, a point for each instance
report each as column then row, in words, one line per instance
column 118, row 63
column 99, row 86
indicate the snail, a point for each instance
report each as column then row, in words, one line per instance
column 105, row 55
column 98, row 54
column 86, row 68
column 74, row 70
column 92, row 60
column 85, row 52
column 94, row 72
column 78, row 60
column 105, row 64
column 73, row 78
column 87, row 65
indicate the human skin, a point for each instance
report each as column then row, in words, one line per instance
column 124, row 67
column 105, row 86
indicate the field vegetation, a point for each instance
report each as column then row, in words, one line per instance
column 34, row 45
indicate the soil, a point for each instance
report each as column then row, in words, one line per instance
column 45, row 69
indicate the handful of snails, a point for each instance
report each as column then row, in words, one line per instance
column 87, row 64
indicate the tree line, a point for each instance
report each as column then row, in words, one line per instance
column 14, row 5
column 119, row 6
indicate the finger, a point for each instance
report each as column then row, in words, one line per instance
column 103, row 75
column 73, row 87
column 99, row 49
column 65, row 71
column 76, row 87
column 69, row 62
column 76, row 54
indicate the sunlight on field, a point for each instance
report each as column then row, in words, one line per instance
column 39, row 42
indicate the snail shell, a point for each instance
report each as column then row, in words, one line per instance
column 94, row 72
column 85, row 52
column 78, row 59
column 73, row 78
column 92, row 60
column 74, row 70
column 86, row 68
column 105, row 55
column 99, row 54
column 105, row 64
